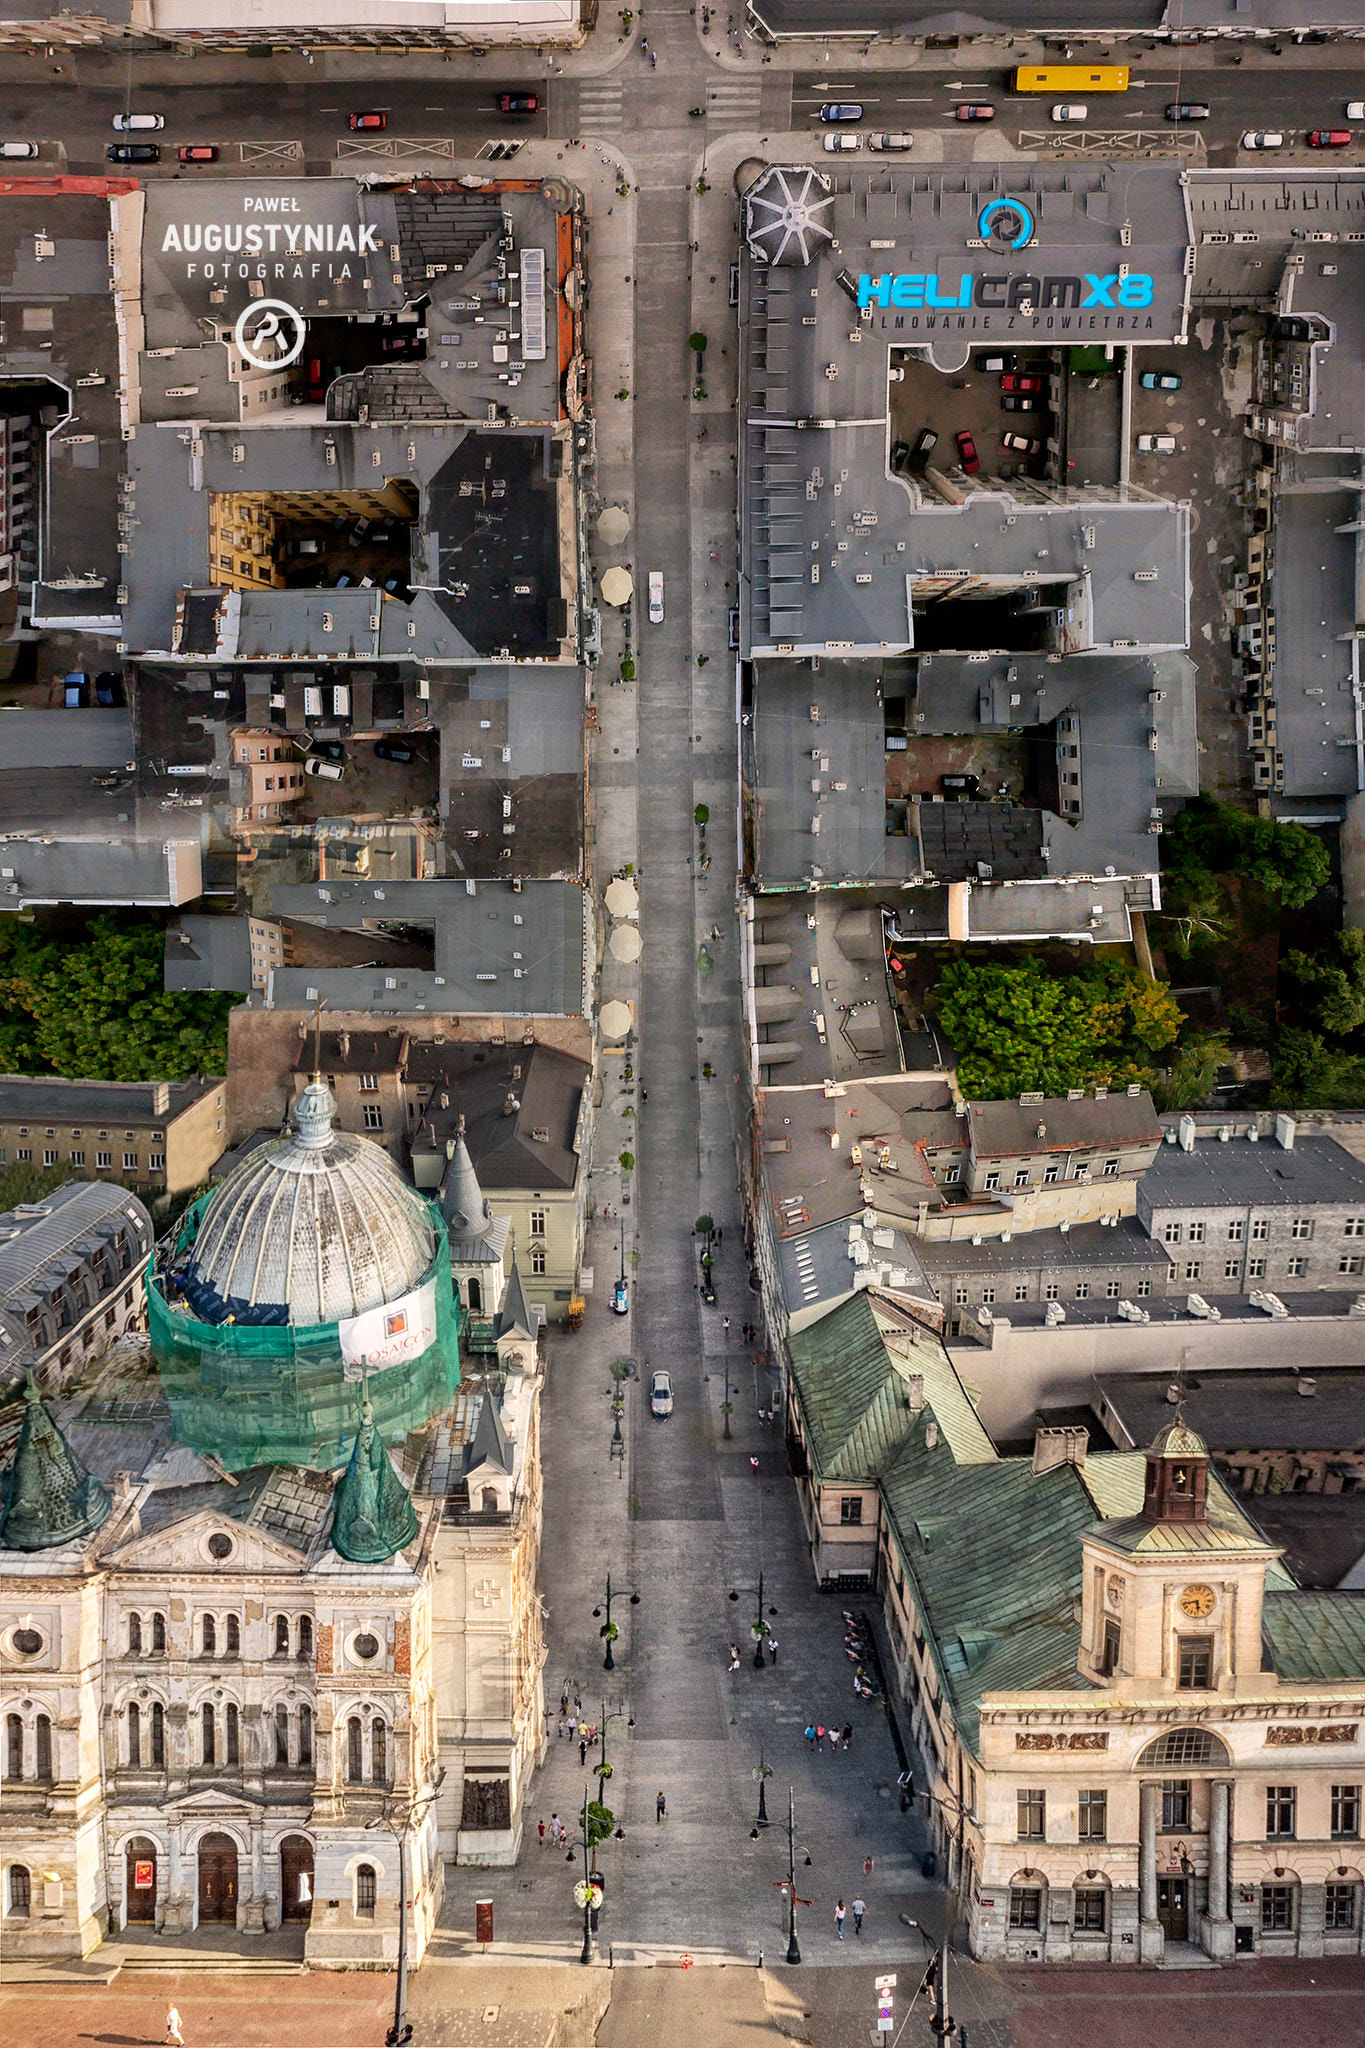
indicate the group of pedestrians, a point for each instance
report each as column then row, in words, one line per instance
column 859, row 1909
column 769, row 1644
column 838, row 1738
column 552, row 1831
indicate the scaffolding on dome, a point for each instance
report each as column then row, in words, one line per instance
column 260, row 1394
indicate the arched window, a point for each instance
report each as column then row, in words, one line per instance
column 20, row 1891
column 134, row 1635
column 281, row 1635
column 488, row 1500
column 158, row 1735
column 206, row 1718
column 42, row 1747
column 281, row 1734
column 365, row 1886
column 305, row 1635
column 234, row 1636
column 210, row 1638
column 14, row 1746
column 158, row 1635
column 305, row 1735
column 1183, row 1746
column 134, row 1736
column 233, row 1747
column 475, row 1297
column 355, row 1768
column 379, row 1754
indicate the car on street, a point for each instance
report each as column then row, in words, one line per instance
column 330, row 771
column 926, row 440
column 661, row 1393
column 896, row 140
column 1070, row 110
column 1156, row 444
column 656, row 597
column 1188, row 110
column 1012, row 402
column 966, row 451
column 1263, row 138
column 995, row 366
column 369, row 121
column 21, row 149
column 197, row 153
column 394, row 750
column 1026, row 384
column 973, row 110
column 518, row 102
column 1354, row 110
column 1159, row 380
column 129, row 124
column 837, row 143
column 1329, row 138
column 133, row 153
column 620, row 1299
column 1019, row 444
column 841, row 110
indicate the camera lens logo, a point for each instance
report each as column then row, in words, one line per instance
column 1006, row 224
column 270, row 334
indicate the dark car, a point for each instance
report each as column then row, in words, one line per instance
column 518, row 103
column 369, row 120
column 966, row 452
column 133, row 153
column 197, row 153
column 394, row 750
column 108, row 687
column 900, row 455
column 926, row 440
column 1033, row 384
column 841, row 110
column 330, row 750
column 1011, row 402
column 1187, row 110
column 1329, row 138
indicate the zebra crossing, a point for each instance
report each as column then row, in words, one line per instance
column 733, row 104
column 599, row 108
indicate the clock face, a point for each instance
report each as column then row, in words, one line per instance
column 1198, row 1602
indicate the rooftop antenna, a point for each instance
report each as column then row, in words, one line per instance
column 318, row 1009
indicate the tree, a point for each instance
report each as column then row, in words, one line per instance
column 1309, row 1074
column 1212, row 838
column 601, row 1821
column 97, row 1009
column 1337, row 980
column 1029, row 1028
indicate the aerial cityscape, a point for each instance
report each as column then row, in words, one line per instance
column 775, row 1449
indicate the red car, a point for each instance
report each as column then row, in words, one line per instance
column 518, row 103
column 1030, row 385
column 197, row 153
column 972, row 111
column 1329, row 138
column 369, row 120
column 966, row 452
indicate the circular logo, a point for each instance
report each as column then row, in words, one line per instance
column 270, row 334
column 1006, row 224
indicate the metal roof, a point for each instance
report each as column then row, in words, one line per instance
column 1006, row 1130
column 1235, row 1173
column 1315, row 1636
column 851, row 1370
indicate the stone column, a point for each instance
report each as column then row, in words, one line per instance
column 177, row 1910
column 1217, row 1931
column 1151, row 1941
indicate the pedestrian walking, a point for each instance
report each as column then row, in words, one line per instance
column 644, row 1095
column 734, row 1656
column 846, row 1734
column 660, row 1808
column 810, row 1737
column 577, row 1699
column 839, row 1919
column 869, row 1866
column 582, row 1748
column 907, row 1790
column 564, row 1701
column 772, row 1648
column 725, row 1323
column 859, row 1908
column 819, row 1738
column 556, row 1829
column 540, row 1830
column 753, row 1465
column 173, row 2032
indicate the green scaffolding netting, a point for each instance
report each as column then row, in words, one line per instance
column 279, row 1393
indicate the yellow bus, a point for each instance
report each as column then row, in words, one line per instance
column 1071, row 78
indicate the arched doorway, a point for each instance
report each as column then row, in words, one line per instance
column 296, row 1877
column 217, row 1879
column 139, row 1888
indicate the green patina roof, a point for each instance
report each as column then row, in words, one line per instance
column 1177, row 1440
column 373, row 1515
column 1315, row 1635
column 851, row 1371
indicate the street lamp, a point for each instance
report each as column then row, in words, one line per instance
column 617, row 1714
column 398, row 1821
column 586, row 1890
column 607, row 1631
column 758, row 1628
column 763, row 1770
column 793, row 1945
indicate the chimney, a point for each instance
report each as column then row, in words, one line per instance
column 1065, row 1446
column 1187, row 1133
column 510, row 1105
column 1285, row 1132
column 914, row 1392
column 161, row 1098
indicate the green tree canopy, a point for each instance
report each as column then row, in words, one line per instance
column 1017, row 1029
column 1336, row 979
column 1211, row 838
column 95, row 1009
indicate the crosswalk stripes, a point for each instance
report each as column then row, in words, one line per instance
column 733, row 104
column 599, row 108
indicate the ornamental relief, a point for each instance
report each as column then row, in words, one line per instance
column 1079, row 1738
column 1290, row 1737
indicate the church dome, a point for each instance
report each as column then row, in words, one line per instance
column 313, row 1227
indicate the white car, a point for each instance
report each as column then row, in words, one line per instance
column 656, row 597
column 127, row 124
column 896, row 140
column 1070, row 110
column 330, row 771
column 21, row 149
column 1156, row 444
column 838, row 144
column 661, row 1393
column 1355, row 110
column 1263, row 138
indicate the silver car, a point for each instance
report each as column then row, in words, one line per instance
column 661, row 1393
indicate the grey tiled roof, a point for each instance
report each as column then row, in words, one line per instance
column 1238, row 1174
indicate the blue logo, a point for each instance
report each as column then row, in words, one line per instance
column 1016, row 229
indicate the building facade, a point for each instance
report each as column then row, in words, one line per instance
column 160, row 1136
column 70, row 1279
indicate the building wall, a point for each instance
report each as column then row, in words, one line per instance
column 72, row 1323
column 1319, row 1245
column 157, row 1152
column 195, row 1141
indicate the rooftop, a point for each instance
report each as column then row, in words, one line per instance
column 1243, row 1411
column 521, row 1107
column 93, row 1102
column 1008, row 1130
column 811, row 1181
column 208, row 953
column 38, row 1244
column 1240, row 1173
column 821, row 1002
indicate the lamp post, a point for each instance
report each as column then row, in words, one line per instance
column 606, row 1631
column 617, row 1714
column 587, row 1951
column 758, row 1628
column 763, row 1770
column 793, row 1945
column 398, row 1821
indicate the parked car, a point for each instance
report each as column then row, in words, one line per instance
column 133, row 153
column 973, row 110
column 21, row 149
column 330, row 771
column 1160, row 380
column 330, row 750
column 900, row 456
column 1019, row 444
column 1188, row 110
column 518, row 103
column 995, row 366
column 394, row 750
column 369, row 121
column 1354, row 110
column 1263, row 138
column 76, row 690
column 108, row 687
column 1070, row 110
column 966, row 451
column 926, row 440
column 960, row 785
column 1012, row 402
column 129, row 124
column 835, row 143
column 897, row 140
column 197, row 153
column 1031, row 385
column 1156, row 444
column 661, row 1393
column 1329, row 138
column 656, row 597
column 620, row 1299
column 841, row 110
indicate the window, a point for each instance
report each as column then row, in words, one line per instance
column 987, row 1296
column 1195, row 1659
column 281, row 1734
column 42, row 1747
column 1301, row 1226
column 354, row 1761
column 539, row 1221
column 1094, row 1816
column 49, row 1156
column 1235, row 1231
column 1193, row 1268
column 1031, row 1806
column 1196, row 1233
column 1111, row 1290
column 1346, row 1810
column 369, row 1084
column 134, row 1736
column 78, row 1158
column 23, row 1152
column 1021, row 1178
column 1021, row 1290
column 851, row 1507
column 134, row 1635
column 1260, row 1229
column 1339, row 1904
column 1051, row 1174
column 538, row 1261
column 991, row 1182
column 207, row 1733
column 305, row 1635
column 233, row 1754
column 103, row 1161
column 1255, row 1269
column 1354, row 1227
column 1175, row 1803
column 379, row 1747
column 1110, row 1168
column 14, row 1746
column 1171, row 1234
column 281, row 1635
column 158, row 1736
column 305, row 1735
column 1026, row 1906
column 1051, row 1291
column 1232, row 1269
column 364, row 1886
column 209, row 1640
column 1090, row 1910
column 1279, row 1810
column 1082, row 1290
column 1297, row 1267
column 20, row 1890
column 1144, row 1287
column 1277, row 1909
column 1352, row 1263
column 1113, row 1645
column 130, row 1162
column 156, row 1162
column 159, row 1635
column 960, row 1296
column 234, row 1636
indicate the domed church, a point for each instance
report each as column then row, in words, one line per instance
column 228, row 1574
